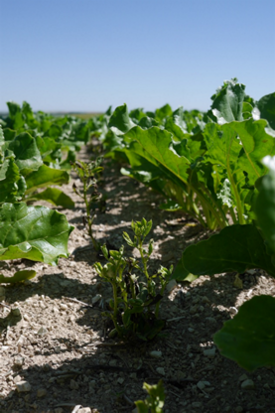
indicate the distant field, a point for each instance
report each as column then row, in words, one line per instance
column 86, row 115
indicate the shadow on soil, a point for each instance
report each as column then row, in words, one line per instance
column 108, row 376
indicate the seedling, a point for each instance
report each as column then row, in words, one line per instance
column 154, row 402
column 89, row 174
column 134, row 309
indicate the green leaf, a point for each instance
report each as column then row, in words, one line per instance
column 46, row 176
column 27, row 154
column 126, row 318
column 235, row 248
column 236, row 150
column 249, row 338
column 18, row 276
column 15, row 115
column 141, row 407
column 35, row 233
column 163, row 112
column 255, row 143
column 155, row 146
column 265, row 208
column 182, row 274
column 54, row 196
column 266, row 106
column 9, row 178
column 227, row 103
column 120, row 121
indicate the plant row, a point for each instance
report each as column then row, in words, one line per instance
column 36, row 151
column 218, row 167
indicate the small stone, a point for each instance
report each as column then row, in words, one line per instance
column 248, row 384
column 96, row 298
column 171, row 286
column 243, row 377
column 160, row 370
column 18, row 361
column 23, row 386
column 210, row 352
column 196, row 404
column 120, row 380
column 42, row 331
column 65, row 283
column 252, row 272
column 200, row 385
column 17, row 379
column 191, row 330
column 156, row 354
column 41, row 392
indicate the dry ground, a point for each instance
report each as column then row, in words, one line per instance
column 59, row 347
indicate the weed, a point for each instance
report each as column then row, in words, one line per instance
column 134, row 309
column 89, row 174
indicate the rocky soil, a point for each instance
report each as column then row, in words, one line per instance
column 54, row 353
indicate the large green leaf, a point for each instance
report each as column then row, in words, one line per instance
column 265, row 204
column 249, row 339
column 16, row 116
column 235, row 248
column 46, row 176
column 163, row 112
column 9, row 179
column 120, row 121
column 27, row 154
column 255, row 144
column 18, row 277
column 36, row 233
column 236, row 150
column 156, row 146
column 266, row 106
column 228, row 102
column 54, row 196
column 182, row 274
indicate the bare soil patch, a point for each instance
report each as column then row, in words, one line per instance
column 59, row 347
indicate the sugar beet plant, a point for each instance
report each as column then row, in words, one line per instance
column 203, row 164
column 134, row 309
column 89, row 174
column 35, row 150
column 249, row 338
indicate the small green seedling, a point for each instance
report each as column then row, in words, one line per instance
column 154, row 402
column 89, row 174
column 134, row 309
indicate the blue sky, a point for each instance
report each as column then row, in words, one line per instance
column 84, row 55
